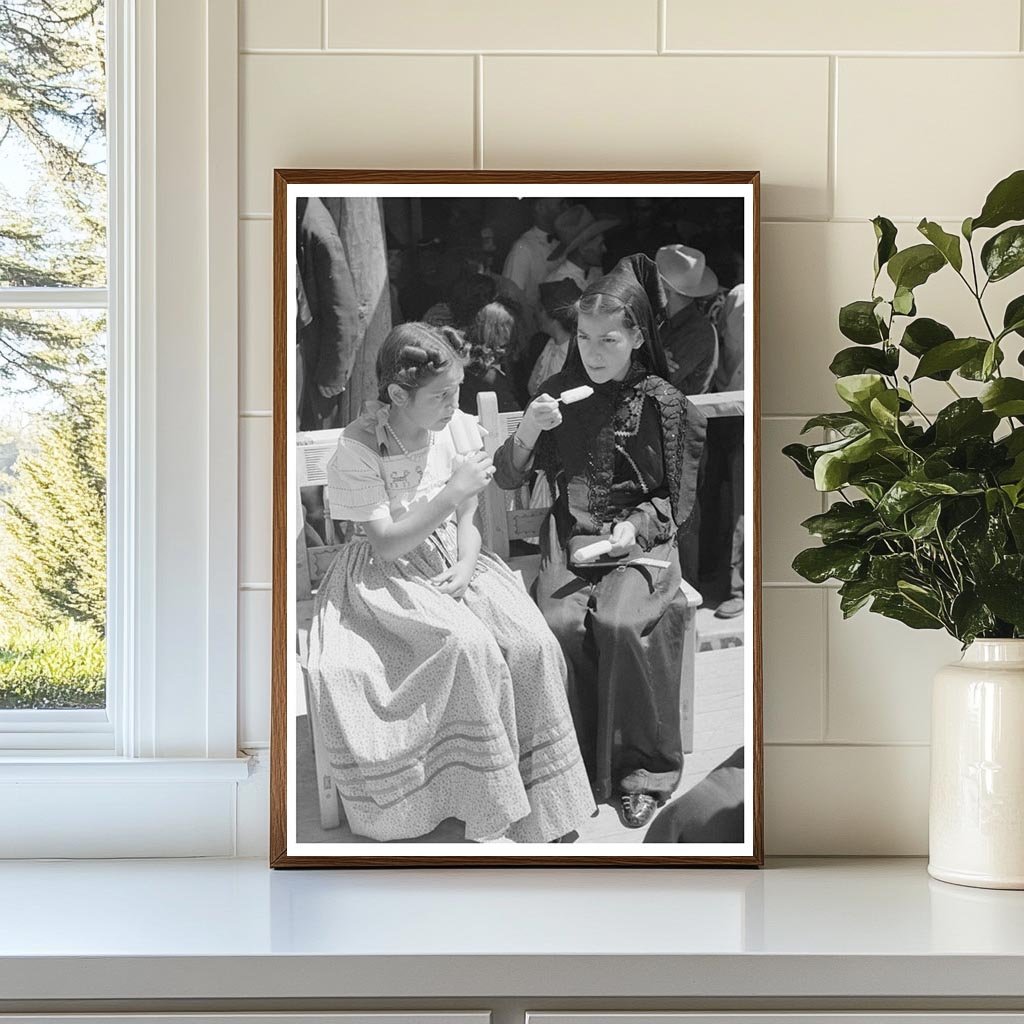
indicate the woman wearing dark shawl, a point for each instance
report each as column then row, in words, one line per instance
column 623, row 466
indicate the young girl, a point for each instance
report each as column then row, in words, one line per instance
column 623, row 464
column 439, row 687
column 493, row 338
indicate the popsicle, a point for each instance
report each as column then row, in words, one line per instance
column 466, row 434
column 575, row 394
column 591, row 552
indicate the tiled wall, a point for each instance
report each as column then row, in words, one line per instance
column 905, row 109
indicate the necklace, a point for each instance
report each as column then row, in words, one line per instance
column 398, row 440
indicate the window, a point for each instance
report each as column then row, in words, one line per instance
column 53, row 371
column 154, row 771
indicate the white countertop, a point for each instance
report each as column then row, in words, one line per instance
column 234, row 929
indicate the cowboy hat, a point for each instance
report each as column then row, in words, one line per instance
column 575, row 226
column 684, row 270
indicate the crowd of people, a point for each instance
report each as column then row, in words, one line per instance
column 444, row 690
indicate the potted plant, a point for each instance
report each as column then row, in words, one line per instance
column 926, row 521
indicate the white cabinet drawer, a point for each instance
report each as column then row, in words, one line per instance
column 775, row 1018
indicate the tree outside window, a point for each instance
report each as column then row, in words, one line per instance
column 53, row 225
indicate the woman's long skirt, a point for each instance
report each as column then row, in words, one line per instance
column 621, row 630
column 434, row 708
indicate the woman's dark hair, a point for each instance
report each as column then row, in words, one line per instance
column 606, row 305
column 414, row 353
column 559, row 306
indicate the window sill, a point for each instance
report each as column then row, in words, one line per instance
column 78, row 806
column 78, row 767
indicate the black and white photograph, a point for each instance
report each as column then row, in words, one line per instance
column 515, row 544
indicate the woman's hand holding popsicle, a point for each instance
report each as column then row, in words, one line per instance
column 541, row 414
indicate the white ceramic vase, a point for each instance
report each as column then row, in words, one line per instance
column 976, row 814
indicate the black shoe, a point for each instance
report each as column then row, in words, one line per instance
column 730, row 609
column 636, row 809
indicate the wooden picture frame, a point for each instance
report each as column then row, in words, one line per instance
column 407, row 205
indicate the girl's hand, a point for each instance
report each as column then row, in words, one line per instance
column 455, row 581
column 471, row 476
column 623, row 538
column 541, row 414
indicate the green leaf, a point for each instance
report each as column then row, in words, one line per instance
column 885, row 236
column 850, row 361
column 925, row 518
column 970, row 617
column 842, row 521
column 947, row 244
column 1016, row 521
column 840, row 561
column 899, row 609
column 949, row 355
column 913, row 266
column 966, row 417
column 1004, row 397
column 1005, row 202
column 974, row 368
column 1003, row 254
column 903, row 302
column 991, row 360
column 832, row 420
column 800, row 456
column 857, row 322
column 1013, row 317
column 885, row 571
column 866, row 445
column 885, row 409
column 831, row 471
column 858, row 389
column 923, row 335
column 854, row 595
column 1005, row 598
column 965, row 229
column 907, row 494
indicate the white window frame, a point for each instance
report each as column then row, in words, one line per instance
column 169, row 735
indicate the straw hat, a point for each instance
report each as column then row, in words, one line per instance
column 684, row 270
column 575, row 226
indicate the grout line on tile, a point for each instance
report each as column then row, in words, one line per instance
column 255, row 414
column 323, row 24
column 798, row 584
column 824, row 717
column 852, row 744
column 338, row 51
column 478, row 111
column 833, row 134
column 255, row 216
column 369, row 51
column 662, row 26
column 826, row 651
column 255, row 586
column 859, row 54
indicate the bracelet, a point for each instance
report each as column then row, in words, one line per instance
column 526, row 448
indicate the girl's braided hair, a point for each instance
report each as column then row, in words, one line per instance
column 414, row 353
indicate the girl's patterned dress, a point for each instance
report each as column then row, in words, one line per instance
column 432, row 707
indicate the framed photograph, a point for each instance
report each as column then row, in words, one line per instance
column 516, row 608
